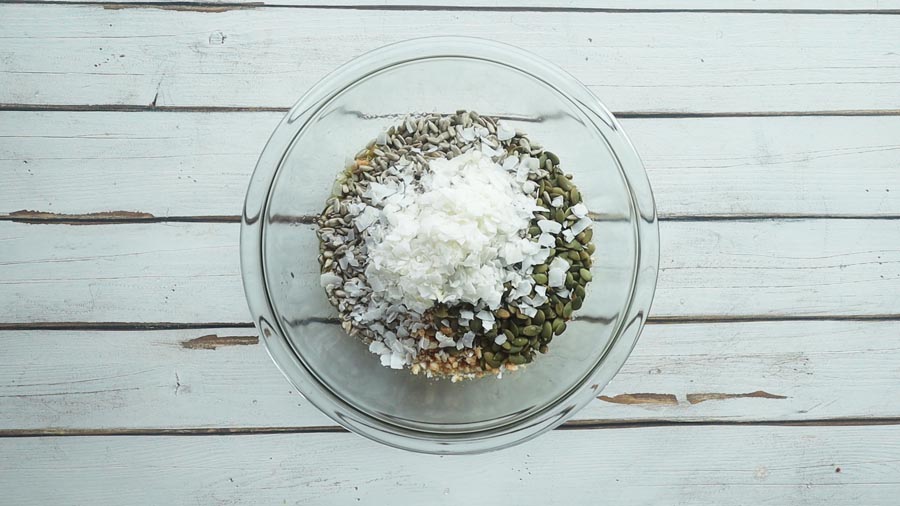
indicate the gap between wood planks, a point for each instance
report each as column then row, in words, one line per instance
column 618, row 114
column 651, row 320
column 574, row 425
column 125, row 217
column 226, row 6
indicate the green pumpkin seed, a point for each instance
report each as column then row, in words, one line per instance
column 579, row 290
column 546, row 331
column 514, row 328
column 585, row 274
column 585, row 256
column 558, row 308
column 563, row 182
column 561, row 329
column 531, row 330
column 520, row 341
column 540, row 269
column 509, row 335
column 532, row 231
column 557, row 192
column 542, row 159
column 576, row 304
column 570, row 280
column 591, row 248
column 533, row 342
column 567, row 310
column 506, row 346
column 521, row 316
column 540, row 279
column 503, row 314
column 515, row 349
column 573, row 255
column 574, row 196
column 558, row 324
column 539, row 317
column 544, row 348
column 487, row 355
column 517, row 359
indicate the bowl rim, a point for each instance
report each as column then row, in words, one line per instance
column 345, row 413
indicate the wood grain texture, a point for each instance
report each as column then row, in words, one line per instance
column 799, row 6
column 690, row 62
column 223, row 378
column 190, row 272
column 698, row 465
column 75, row 165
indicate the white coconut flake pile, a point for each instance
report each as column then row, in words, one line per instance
column 451, row 239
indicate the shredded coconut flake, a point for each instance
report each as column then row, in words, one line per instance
column 448, row 242
column 505, row 131
column 550, row 226
column 579, row 210
column 581, row 225
column 557, row 274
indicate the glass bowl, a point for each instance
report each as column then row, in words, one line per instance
column 294, row 177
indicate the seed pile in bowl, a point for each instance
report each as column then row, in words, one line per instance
column 455, row 246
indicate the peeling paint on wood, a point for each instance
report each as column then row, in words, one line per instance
column 715, row 396
column 641, row 398
column 213, row 341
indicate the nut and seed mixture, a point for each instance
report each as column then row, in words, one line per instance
column 455, row 246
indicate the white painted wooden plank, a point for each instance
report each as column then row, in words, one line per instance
column 142, row 272
column 685, row 466
column 223, row 378
column 697, row 62
column 189, row 272
column 625, row 5
column 188, row 164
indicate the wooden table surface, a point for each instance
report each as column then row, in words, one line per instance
column 769, row 372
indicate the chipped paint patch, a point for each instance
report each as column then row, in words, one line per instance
column 642, row 398
column 213, row 341
column 715, row 396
